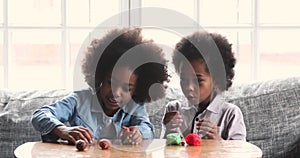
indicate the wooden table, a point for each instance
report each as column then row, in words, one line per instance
column 156, row 148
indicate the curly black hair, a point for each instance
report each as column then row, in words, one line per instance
column 208, row 47
column 126, row 47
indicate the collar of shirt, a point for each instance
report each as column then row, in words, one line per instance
column 214, row 106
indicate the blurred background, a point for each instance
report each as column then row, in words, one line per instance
column 41, row 39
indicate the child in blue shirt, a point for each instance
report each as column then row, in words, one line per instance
column 204, row 62
column 120, row 68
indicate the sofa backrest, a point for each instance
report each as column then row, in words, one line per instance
column 16, row 109
column 271, row 112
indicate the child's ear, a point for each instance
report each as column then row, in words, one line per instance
column 98, row 86
column 216, row 88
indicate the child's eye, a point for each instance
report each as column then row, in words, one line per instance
column 199, row 80
column 126, row 88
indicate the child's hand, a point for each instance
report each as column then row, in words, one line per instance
column 172, row 121
column 208, row 128
column 131, row 135
column 74, row 133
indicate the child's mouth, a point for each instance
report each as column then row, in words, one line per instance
column 190, row 98
column 113, row 102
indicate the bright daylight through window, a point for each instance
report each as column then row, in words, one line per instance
column 41, row 39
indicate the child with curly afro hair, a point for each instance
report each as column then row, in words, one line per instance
column 124, row 71
column 204, row 61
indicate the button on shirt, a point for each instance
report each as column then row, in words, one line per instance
column 228, row 117
column 82, row 108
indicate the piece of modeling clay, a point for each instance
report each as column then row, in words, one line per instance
column 173, row 139
column 193, row 139
column 104, row 143
column 80, row 145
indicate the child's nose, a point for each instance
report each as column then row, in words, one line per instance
column 117, row 91
column 191, row 86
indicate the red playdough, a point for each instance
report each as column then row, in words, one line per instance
column 104, row 143
column 127, row 129
column 193, row 139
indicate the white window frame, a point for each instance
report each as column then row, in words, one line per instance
column 128, row 20
column 7, row 57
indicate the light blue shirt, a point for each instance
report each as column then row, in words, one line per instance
column 82, row 108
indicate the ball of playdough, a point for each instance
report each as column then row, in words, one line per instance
column 80, row 145
column 173, row 139
column 193, row 139
column 125, row 140
column 104, row 143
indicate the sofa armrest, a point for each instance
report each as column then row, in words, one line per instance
column 16, row 109
column 271, row 112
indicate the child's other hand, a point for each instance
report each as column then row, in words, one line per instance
column 131, row 135
column 74, row 133
column 172, row 121
column 208, row 128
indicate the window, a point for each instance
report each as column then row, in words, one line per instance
column 41, row 39
column 1, row 60
column 34, row 12
column 280, row 13
column 263, row 38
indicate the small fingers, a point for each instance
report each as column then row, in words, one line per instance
column 81, row 133
column 175, row 122
column 136, row 138
column 177, row 106
column 209, row 129
column 169, row 116
column 213, row 135
column 173, row 130
column 87, row 134
column 171, row 126
column 132, row 135
column 71, row 139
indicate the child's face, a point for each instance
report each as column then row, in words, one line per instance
column 117, row 89
column 196, row 83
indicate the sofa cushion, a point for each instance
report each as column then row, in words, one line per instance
column 271, row 112
column 15, row 115
column 3, row 99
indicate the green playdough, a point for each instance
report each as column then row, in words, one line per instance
column 126, row 140
column 173, row 139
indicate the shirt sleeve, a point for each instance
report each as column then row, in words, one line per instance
column 236, row 129
column 46, row 118
column 141, row 120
